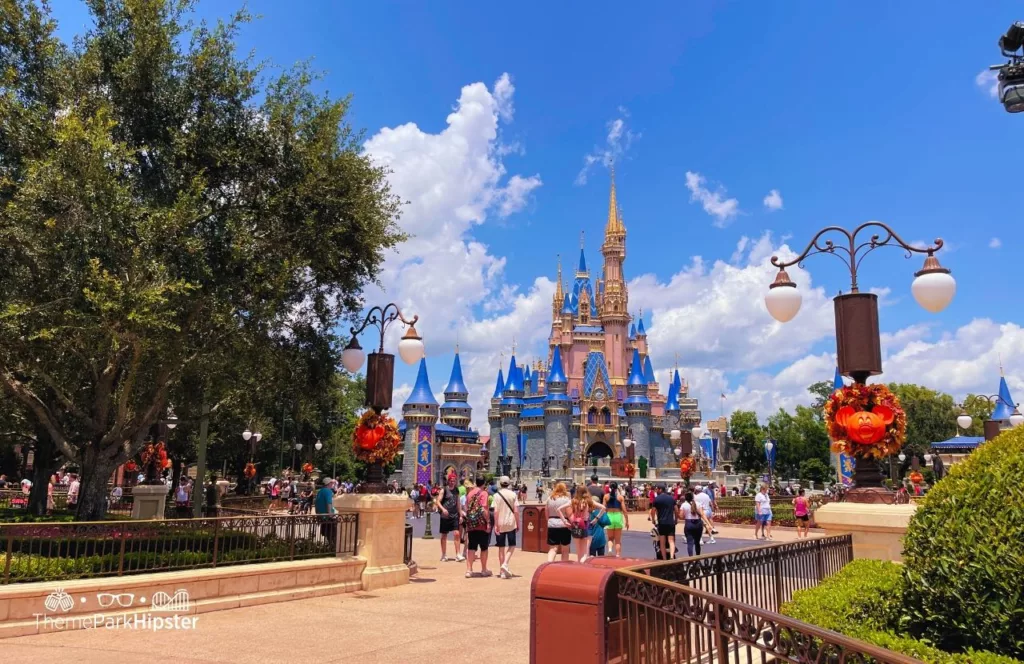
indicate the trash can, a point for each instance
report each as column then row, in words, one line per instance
column 581, row 600
column 535, row 529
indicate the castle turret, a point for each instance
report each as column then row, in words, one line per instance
column 638, row 408
column 420, row 414
column 614, row 299
column 494, row 412
column 456, row 410
column 559, row 297
column 510, row 408
column 557, row 413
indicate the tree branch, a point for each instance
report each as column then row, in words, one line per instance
column 24, row 394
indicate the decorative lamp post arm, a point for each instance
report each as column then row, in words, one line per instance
column 381, row 318
column 853, row 253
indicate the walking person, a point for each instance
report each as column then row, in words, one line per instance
column 478, row 528
column 73, row 489
column 414, row 496
column 583, row 503
column 702, row 499
column 506, row 525
column 802, row 513
column 762, row 514
column 324, row 504
column 664, row 514
column 557, row 509
column 694, row 521
column 447, row 504
column 618, row 518
column 598, row 540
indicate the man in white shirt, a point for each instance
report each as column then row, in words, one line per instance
column 506, row 524
column 73, row 489
column 703, row 501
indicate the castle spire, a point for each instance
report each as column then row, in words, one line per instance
column 421, row 394
column 558, row 286
column 614, row 224
column 581, row 269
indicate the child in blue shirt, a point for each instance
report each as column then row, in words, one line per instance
column 598, row 540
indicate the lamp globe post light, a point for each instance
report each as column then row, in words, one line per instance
column 319, row 446
column 380, row 370
column 991, row 427
column 246, row 435
column 858, row 342
column 768, row 447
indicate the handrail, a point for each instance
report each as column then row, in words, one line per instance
column 732, row 620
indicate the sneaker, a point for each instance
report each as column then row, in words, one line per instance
column 445, row 559
column 714, row 531
column 505, row 573
column 469, row 575
column 712, row 541
column 460, row 559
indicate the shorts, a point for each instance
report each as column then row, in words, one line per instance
column 505, row 539
column 615, row 521
column 666, row 530
column 558, row 537
column 803, row 517
column 709, row 513
column 449, row 524
column 765, row 518
column 479, row 539
column 596, row 550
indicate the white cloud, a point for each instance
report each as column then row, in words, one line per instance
column 454, row 180
column 618, row 139
column 988, row 80
column 883, row 294
column 773, row 201
column 399, row 395
column 714, row 202
column 995, row 243
column 713, row 314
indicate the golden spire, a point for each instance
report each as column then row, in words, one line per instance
column 559, row 294
column 614, row 220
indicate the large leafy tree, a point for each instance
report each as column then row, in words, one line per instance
column 164, row 206
column 931, row 416
column 749, row 434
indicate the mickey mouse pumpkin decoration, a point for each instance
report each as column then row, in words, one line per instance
column 865, row 421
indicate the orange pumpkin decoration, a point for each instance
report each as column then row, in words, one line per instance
column 863, row 427
column 916, row 477
column 686, row 466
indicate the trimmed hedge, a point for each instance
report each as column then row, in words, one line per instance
column 964, row 553
column 865, row 601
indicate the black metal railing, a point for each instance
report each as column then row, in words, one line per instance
column 61, row 551
column 724, row 608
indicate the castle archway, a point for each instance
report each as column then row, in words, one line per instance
column 600, row 450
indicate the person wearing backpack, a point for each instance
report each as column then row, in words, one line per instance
column 478, row 525
column 447, row 504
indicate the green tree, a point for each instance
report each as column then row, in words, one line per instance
column 931, row 416
column 749, row 435
column 165, row 205
column 821, row 390
column 815, row 470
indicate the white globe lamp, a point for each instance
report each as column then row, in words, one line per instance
column 933, row 286
column 298, row 447
column 695, row 433
column 783, row 299
column 319, row 446
column 246, row 435
column 410, row 348
column 964, row 421
column 675, row 435
column 258, row 436
column 352, row 357
column 1016, row 419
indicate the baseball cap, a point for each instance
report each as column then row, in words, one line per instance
column 504, row 481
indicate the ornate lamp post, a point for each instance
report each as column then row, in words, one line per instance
column 964, row 420
column 380, row 370
column 768, row 447
column 857, row 336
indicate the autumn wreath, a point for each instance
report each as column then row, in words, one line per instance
column 630, row 469
column 307, row 468
column 250, row 471
column 376, row 438
column 686, row 466
column 916, row 477
column 865, row 421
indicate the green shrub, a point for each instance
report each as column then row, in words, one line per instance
column 964, row 553
column 865, row 601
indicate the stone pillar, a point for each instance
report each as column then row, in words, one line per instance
column 639, row 429
column 149, row 501
column 380, row 538
column 877, row 529
column 556, row 433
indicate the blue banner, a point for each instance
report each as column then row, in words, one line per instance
column 770, row 455
column 706, row 445
column 714, row 454
column 846, row 467
column 504, row 443
column 522, row 448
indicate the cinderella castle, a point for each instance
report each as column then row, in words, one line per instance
column 595, row 390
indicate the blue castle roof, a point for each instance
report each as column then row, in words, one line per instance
column 515, row 377
column 672, row 403
column 632, row 331
column 1005, row 405
column 455, row 383
column 640, row 331
column 556, row 374
column 567, row 304
column 636, row 371
column 583, row 262
column 837, row 382
column 649, row 370
column 422, row 395
column 500, row 387
column 676, row 382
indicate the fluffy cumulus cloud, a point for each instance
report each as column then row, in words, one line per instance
column 995, row 243
column 452, row 181
column 773, row 201
column 715, row 203
column 619, row 137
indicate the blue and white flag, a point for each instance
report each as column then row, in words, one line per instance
column 769, row 455
column 504, row 443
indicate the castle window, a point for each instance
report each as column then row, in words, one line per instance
column 606, row 415
column 592, row 415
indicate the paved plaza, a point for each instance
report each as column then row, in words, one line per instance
column 439, row 615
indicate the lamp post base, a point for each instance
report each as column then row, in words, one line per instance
column 374, row 480
column 868, row 477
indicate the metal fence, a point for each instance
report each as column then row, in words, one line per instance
column 60, row 551
column 723, row 608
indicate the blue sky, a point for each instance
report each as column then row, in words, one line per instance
column 851, row 112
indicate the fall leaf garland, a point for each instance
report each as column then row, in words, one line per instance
column 376, row 438
column 865, row 398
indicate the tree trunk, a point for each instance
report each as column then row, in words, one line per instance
column 92, row 495
column 46, row 460
column 176, row 468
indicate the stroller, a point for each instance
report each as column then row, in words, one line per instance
column 657, row 548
